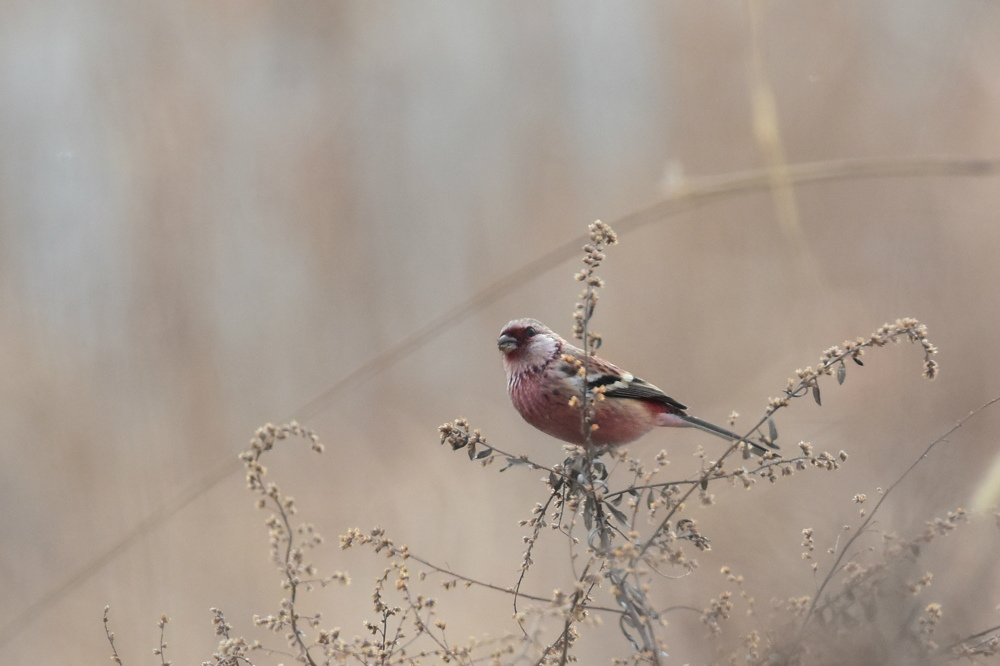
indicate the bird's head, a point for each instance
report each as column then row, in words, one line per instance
column 528, row 344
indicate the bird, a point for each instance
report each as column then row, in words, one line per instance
column 544, row 375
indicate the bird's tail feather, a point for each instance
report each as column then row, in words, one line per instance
column 719, row 431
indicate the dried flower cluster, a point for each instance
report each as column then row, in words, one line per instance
column 833, row 359
column 458, row 436
column 601, row 236
column 871, row 606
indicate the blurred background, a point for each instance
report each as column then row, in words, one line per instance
column 212, row 213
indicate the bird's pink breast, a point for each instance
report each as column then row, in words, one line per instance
column 619, row 421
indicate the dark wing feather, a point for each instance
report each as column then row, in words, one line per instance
column 640, row 390
column 603, row 380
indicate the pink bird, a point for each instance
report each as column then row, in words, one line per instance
column 543, row 377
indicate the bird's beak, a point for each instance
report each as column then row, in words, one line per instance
column 506, row 344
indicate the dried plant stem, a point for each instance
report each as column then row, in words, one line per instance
column 111, row 637
column 967, row 639
column 809, row 379
column 778, row 462
column 577, row 602
column 162, row 649
column 601, row 236
column 293, row 585
column 539, row 523
column 289, row 558
column 810, row 613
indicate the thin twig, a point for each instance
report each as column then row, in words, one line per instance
column 973, row 637
column 864, row 524
column 777, row 462
column 162, row 649
column 111, row 637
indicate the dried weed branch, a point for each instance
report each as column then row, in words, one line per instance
column 601, row 236
column 111, row 637
column 161, row 651
column 836, row 567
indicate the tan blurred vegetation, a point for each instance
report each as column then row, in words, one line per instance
column 211, row 213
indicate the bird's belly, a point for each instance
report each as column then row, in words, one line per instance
column 621, row 421
column 618, row 421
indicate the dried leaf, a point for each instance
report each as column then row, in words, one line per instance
column 772, row 430
column 601, row 469
column 816, row 394
column 626, row 620
column 619, row 516
column 841, row 373
column 512, row 462
column 857, row 360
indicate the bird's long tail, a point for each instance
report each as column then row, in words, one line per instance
column 719, row 431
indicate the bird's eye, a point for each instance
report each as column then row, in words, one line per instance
column 530, row 332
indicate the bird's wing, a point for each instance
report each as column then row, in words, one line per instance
column 618, row 383
column 637, row 389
